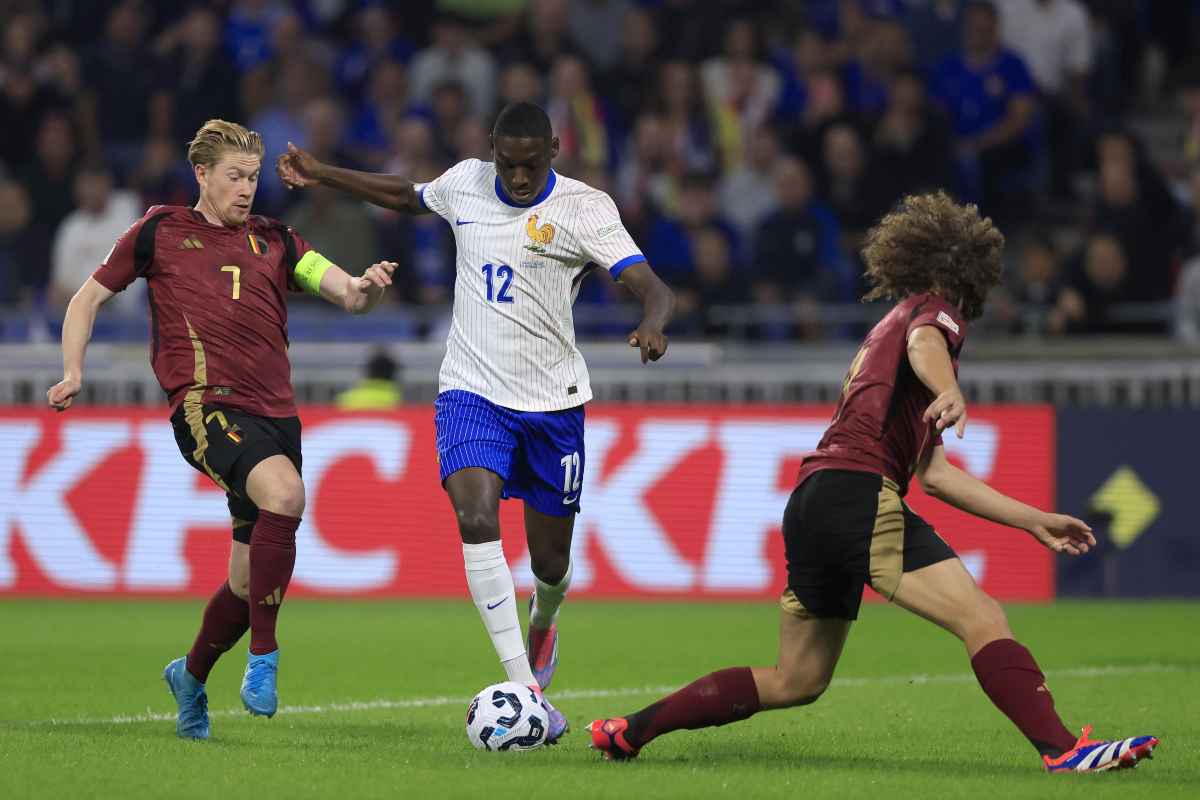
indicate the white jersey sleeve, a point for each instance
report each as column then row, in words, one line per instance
column 603, row 237
column 440, row 193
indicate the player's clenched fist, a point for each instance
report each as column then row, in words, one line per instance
column 62, row 393
column 297, row 168
column 653, row 343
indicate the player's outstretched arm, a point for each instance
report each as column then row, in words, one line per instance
column 298, row 168
column 658, row 303
column 357, row 295
column 929, row 356
column 76, row 333
column 1059, row 532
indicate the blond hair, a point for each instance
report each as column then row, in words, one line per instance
column 217, row 137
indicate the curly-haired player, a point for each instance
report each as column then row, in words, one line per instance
column 846, row 524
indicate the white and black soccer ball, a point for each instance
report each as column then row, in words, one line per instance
column 507, row 716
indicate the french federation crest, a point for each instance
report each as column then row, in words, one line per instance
column 539, row 236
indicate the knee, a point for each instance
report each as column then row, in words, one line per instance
column 285, row 496
column 550, row 567
column 797, row 690
column 987, row 622
column 239, row 576
column 240, row 586
column 477, row 525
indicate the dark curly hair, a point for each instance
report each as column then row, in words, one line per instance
column 930, row 243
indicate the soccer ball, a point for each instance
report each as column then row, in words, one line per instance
column 507, row 716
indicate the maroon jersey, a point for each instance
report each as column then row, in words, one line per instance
column 877, row 426
column 218, row 316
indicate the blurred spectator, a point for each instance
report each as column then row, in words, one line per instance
column 645, row 180
column 714, row 282
column 825, row 106
column 448, row 110
column 1135, row 206
column 747, row 193
column 201, row 72
column 453, row 56
column 376, row 42
column 1030, row 303
column 125, row 96
column 885, row 50
column 385, row 103
column 378, row 390
column 668, row 243
column 248, row 31
column 19, row 257
column 472, row 139
column 934, row 27
column 519, row 83
column 680, row 103
column 858, row 195
column 597, row 26
column 578, row 117
column 338, row 226
column 1054, row 39
column 796, row 252
column 1099, row 281
column 87, row 234
column 298, row 82
column 988, row 92
column 163, row 177
column 624, row 84
column 544, row 35
column 913, row 146
column 29, row 87
column 50, row 181
column 806, row 53
column 741, row 90
column 422, row 244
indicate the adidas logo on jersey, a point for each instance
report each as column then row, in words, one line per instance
column 191, row 243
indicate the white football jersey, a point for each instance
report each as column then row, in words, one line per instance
column 512, row 339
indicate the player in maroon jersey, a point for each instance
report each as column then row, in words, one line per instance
column 847, row 526
column 218, row 279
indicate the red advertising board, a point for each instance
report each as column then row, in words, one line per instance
column 678, row 501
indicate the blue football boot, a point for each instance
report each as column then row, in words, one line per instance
column 189, row 694
column 258, row 684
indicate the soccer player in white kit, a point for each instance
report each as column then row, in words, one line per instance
column 509, row 412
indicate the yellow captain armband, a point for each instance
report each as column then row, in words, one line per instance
column 309, row 270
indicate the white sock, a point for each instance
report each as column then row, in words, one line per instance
column 491, row 585
column 547, row 599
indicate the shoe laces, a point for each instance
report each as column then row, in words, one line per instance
column 196, row 710
column 259, row 672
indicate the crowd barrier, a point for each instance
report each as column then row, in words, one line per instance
column 678, row 501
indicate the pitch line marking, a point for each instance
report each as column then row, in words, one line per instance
column 383, row 704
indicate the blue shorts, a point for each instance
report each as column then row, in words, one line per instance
column 538, row 454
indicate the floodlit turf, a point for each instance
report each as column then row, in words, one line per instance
column 374, row 695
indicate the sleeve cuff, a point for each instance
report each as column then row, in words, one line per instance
column 421, row 195
column 625, row 263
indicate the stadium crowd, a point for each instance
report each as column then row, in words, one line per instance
column 749, row 145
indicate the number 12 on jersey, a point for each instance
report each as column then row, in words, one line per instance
column 503, row 275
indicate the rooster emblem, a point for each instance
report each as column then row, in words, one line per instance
column 539, row 236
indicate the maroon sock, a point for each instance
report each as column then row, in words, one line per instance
column 716, row 699
column 272, row 556
column 1015, row 683
column 226, row 618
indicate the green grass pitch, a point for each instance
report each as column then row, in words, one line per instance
column 374, row 697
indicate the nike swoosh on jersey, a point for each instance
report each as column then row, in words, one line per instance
column 569, row 500
column 493, row 607
column 460, row 222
